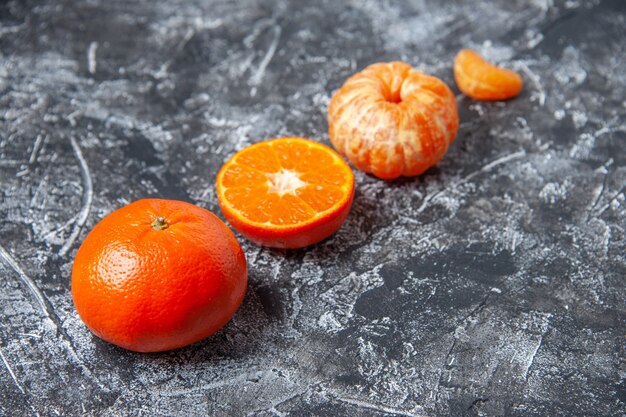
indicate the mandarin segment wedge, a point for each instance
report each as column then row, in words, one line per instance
column 482, row 80
column 391, row 120
column 286, row 193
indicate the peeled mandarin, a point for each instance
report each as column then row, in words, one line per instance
column 391, row 120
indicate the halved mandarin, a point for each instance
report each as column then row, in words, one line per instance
column 391, row 120
column 286, row 193
column 482, row 80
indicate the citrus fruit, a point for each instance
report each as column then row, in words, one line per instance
column 482, row 80
column 286, row 193
column 158, row 275
column 391, row 120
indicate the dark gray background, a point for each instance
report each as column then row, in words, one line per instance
column 492, row 285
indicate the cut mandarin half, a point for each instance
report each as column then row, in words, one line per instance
column 391, row 120
column 286, row 193
column 482, row 80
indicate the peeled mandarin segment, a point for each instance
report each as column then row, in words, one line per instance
column 433, row 128
column 482, row 80
column 357, row 114
column 387, row 160
column 391, row 77
column 390, row 120
column 288, row 192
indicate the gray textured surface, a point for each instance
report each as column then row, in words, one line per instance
column 494, row 284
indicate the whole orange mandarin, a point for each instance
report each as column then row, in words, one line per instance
column 391, row 120
column 158, row 275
